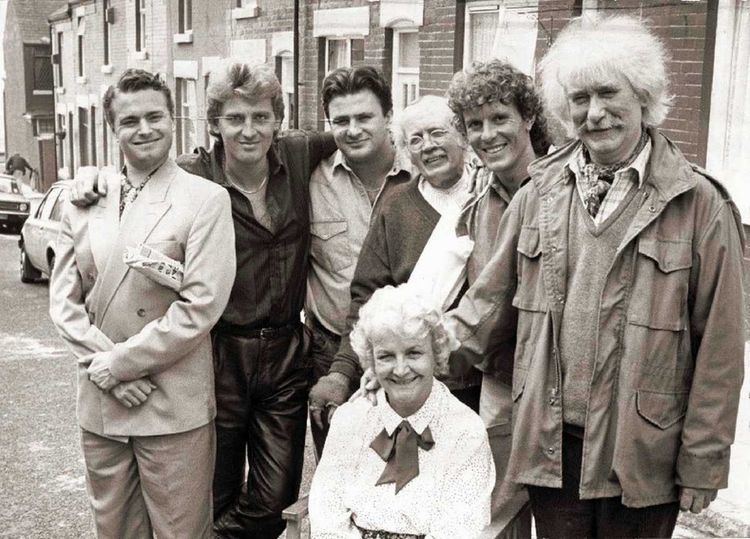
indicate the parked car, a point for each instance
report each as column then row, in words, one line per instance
column 14, row 206
column 38, row 240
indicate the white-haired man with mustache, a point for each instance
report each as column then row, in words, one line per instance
column 618, row 273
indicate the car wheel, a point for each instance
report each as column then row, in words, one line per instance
column 29, row 273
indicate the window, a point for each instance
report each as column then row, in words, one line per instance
column 186, row 115
column 342, row 52
column 106, row 13
column 405, row 68
column 59, row 56
column 285, row 74
column 80, row 43
column 47, row 204
column 83, row 136
column 140, row 25
column 93, row 135
column 57, row 209
column 71, row 145
column 42, row 71
column 494, row 31
column 185, row 22
column 43, row 126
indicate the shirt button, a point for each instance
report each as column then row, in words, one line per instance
column 554, row 248
column 141, row 312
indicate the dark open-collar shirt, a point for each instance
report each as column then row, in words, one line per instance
column 269, row 289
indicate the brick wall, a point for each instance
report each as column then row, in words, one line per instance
column 682, row 27
column 437, row 40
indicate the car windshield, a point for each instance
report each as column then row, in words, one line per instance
column 9, row 186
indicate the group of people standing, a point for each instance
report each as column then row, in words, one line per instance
column 590, row 293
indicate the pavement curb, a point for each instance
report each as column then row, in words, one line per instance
column 712, row 524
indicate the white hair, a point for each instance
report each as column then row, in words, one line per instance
column 428, row 103
column 594, row 47
column 402, row 309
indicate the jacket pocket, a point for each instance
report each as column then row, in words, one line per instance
column 660, row 287
column 530, row 294
column 661, row 409
column 330, row 245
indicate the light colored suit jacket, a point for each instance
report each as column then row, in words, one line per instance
column 102, row 306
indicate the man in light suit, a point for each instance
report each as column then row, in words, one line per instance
column 141, row 278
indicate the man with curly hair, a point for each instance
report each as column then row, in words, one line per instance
column 618, row 276
column 499, row 112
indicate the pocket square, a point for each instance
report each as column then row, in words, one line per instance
column 155, row 265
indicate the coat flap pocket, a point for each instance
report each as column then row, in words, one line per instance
column 528, row 242
column 661, row 408
column 668, row 255
column 327, row 229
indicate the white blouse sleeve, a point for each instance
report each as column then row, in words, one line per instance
column 330, row 518
column 463, row 507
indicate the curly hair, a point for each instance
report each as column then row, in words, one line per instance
column 351, row 80
column 404, row 310
column 596, row 47
column 135, row 80
column 233, row 77
column 496, row 80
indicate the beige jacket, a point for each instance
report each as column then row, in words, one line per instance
column 102, row 306
column 665, row 390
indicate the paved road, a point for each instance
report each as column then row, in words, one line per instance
column 41, row 470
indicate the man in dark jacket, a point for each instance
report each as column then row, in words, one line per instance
column 618, row 274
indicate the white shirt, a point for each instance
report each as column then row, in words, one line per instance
column 450, row 498
column 450, row 200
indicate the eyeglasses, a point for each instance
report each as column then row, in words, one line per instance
column 437, row 136
column 259, row 120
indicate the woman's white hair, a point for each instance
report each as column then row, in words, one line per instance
column 425, row 104
column 593, row 48
column 404, row 310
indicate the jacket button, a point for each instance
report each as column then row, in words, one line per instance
column 652, row 209
column 141, row 312
column 551, row 450
column 552, row 401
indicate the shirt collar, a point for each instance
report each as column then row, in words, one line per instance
column 218, row 157
column 401, row 163
column 419, row 420
column 638, row 165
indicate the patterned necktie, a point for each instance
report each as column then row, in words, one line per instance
column 598, row 178
column 399, row 451
column 129, row 192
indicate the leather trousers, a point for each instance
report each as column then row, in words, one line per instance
column 262, row 384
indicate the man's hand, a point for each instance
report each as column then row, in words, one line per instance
column 368, row 387
column 696, row 500
column 99, row 372
column 89, row 185
column 329, row 393
column 133, row 393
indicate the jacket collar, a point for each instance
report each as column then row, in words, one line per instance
column 668, row 172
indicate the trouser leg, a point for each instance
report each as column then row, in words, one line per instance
column 613, row 519
column 114, row 488
column 560, row 512
column 323, row 349
column 176, row 472
column 235, row 360
column 276, row 441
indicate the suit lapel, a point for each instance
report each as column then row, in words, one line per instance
column 104, row 222
column 139, row 220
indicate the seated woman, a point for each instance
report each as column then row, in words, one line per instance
column 416, row 465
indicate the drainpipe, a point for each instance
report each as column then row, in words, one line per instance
column 296, row 65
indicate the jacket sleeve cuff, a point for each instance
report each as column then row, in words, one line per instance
column 118, row 365
column 709, row 472
column 349, row 368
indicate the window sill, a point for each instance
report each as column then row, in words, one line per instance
column 140, row 55
column 186, row 37
column 41, row 92
column 60, row 90
column 82, row 80
column 107, row 69
column 244, row 12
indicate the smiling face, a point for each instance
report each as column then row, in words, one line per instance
column 607, row 116
column 247, row 128
column 434, row 145
column 359, row 126
column 404, row 366
column 500, row 138
column 143, row 127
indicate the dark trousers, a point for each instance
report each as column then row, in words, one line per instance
column 261, row 395
column 325, row 344
column 561, row 512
